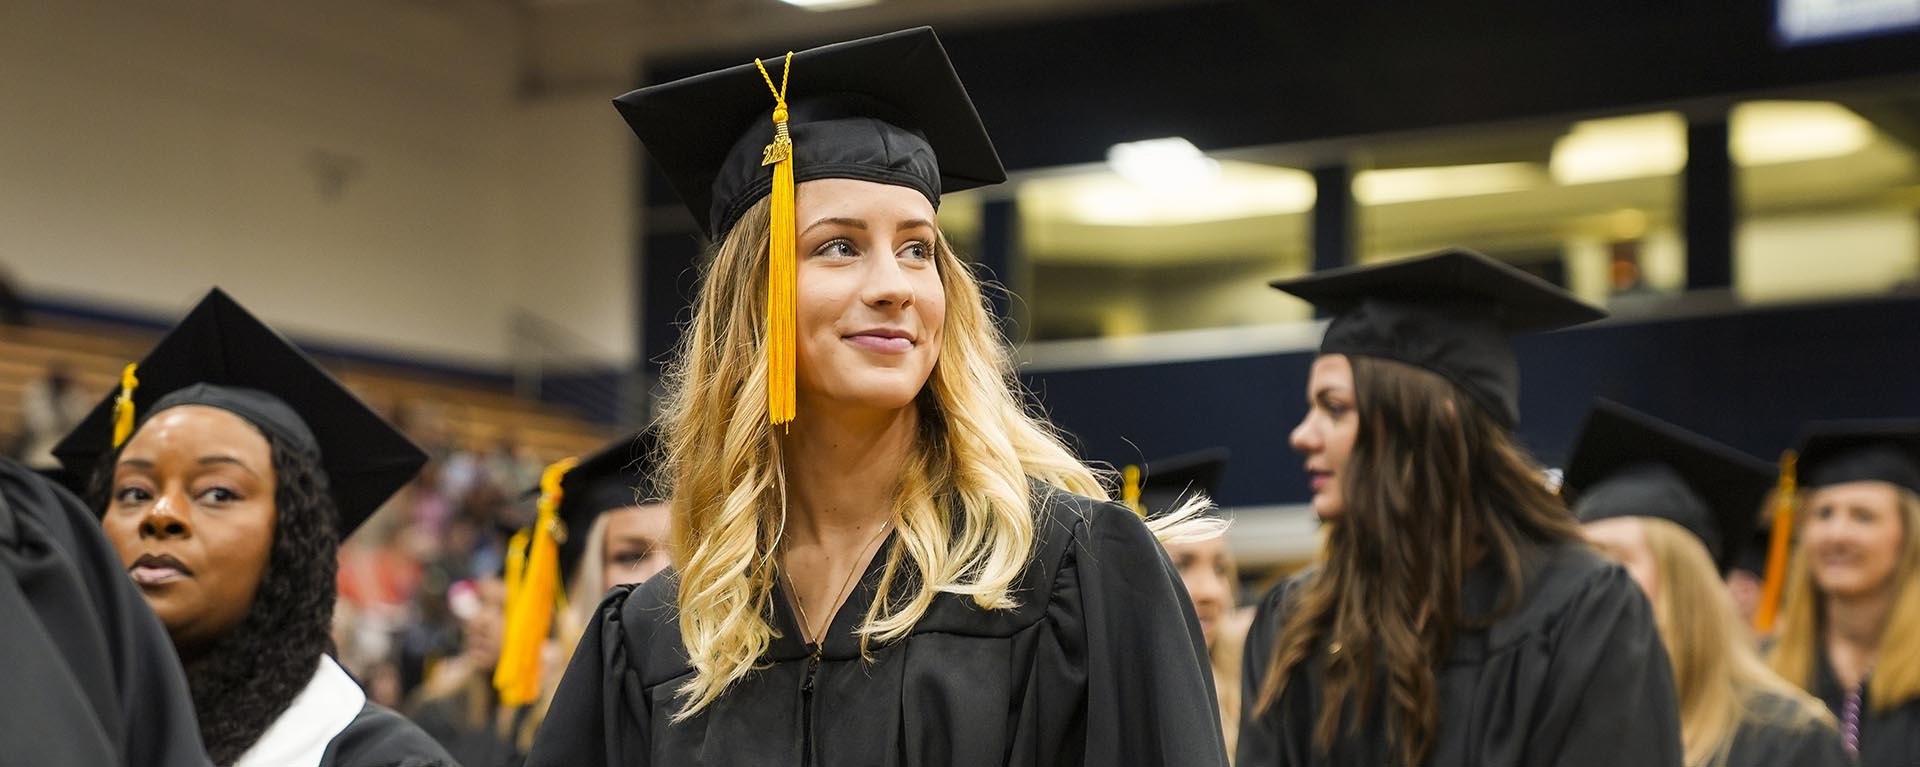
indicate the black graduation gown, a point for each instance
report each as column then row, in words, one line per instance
column 445, row 719
column 378, row 737
column 1889, row 739
column 1102, row 664
column 1574, row 675
column 90, row 676
column 1764, row 742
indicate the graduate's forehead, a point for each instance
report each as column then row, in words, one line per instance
column 856, row 204
column 1330, row 373
column 196, row 431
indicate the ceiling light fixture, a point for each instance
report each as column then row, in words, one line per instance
column 1619, row 148
column 829, row 5
column 1385, row 187
column 1769, row 132
column 1241, row 190
column 1162, row 163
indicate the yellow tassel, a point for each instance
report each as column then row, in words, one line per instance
column 1778, row 547
column 123, row 406
column 781, row 332
column 1130, row 490
column 533, row 588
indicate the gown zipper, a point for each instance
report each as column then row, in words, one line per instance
column 806, row 708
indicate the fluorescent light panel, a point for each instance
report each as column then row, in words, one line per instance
column 1385, row 187
column 1163, row 162
column 829, row 5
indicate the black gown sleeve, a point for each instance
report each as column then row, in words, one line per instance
column 91, row 677
column 1260, row 735
column 1150, row 699
column 1803, row 745
column 589, row 724
column 378, row 737
column 1612, row 698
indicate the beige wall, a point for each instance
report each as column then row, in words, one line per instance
column 151, row 150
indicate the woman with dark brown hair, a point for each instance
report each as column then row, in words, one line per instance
column 1456, row 617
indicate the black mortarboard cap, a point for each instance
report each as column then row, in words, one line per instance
column 1833, row 452
column 888, row 109
column 615, row 477
column 1753, row 552
column 1170, row 481
column 1630, row 464
column 222, row 356
column 1452, row 312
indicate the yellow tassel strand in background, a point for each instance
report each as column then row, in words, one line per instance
column 533, row 593
column 1778, row 547
column 780, row 257
column 123, row 405
column 1130, row 490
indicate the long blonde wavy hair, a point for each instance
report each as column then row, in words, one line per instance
column 1896, row 674
column 1717, row 672
column 964, row 517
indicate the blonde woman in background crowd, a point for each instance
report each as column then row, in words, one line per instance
column 1850, row 631
column 1206, row 566
column 1675, row 509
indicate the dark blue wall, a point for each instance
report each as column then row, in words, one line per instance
column 1253, row 72
column 1748, row 378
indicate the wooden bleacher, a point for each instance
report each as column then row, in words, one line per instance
column 473, row 415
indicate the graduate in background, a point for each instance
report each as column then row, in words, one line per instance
column 1456, row 617
column 486, row 715
column 91, row 677
column 226, row 471
column 880, row 556
column 1676, row 509
column 1850, row 633
column 618, row 526
column 1206, row 565
column 456, row 705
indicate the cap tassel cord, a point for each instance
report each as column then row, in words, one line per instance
column 783, row 231
column 533, row 593
column 781, row 330
column 123, row 405
column 1779, row 546
column 1130, row 490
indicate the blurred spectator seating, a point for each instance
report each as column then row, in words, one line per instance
column 469, row 412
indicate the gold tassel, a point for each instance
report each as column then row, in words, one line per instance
column 781, row 331
column 123, row 405
column 533, row 588
column 1778, row 547
column 1130, row 490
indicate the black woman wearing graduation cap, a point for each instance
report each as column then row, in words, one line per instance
column 1675, row 509
column 1850, row 633
column 1456, row 617
column 1206, row 565
column 880, row 558
column 226, row 471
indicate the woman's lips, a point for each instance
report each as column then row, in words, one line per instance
column 1319, row 480
column 153, row 570
column 154, row 576
column 882, row 344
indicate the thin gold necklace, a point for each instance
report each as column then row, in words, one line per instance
column 817, row 640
